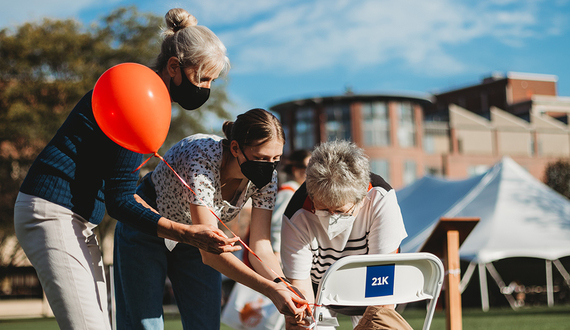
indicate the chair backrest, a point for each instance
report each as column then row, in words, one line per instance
column 382, row 279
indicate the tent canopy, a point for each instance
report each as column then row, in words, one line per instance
column 519, row 215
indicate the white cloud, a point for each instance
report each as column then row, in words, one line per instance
column 315, row 35
column 230, row 11
column 296, row 36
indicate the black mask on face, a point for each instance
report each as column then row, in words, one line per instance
column 188, row 95
column 258, row 172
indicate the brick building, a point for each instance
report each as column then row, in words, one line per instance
column 452, row 134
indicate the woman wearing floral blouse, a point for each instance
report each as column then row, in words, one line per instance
column 223, row 174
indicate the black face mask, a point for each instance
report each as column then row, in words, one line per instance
column 188, row 95
column 258, row 172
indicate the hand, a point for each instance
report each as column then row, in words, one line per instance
column 297, row 291
column 210, row 239
column 302, row 321
column 206, row 237
column 288, row 302
column 292, row 323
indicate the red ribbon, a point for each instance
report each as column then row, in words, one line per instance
column 220, row 220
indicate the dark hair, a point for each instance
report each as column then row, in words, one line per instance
column 253, row 128
column 296, row 159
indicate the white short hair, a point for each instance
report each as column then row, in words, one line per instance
column 338, row 173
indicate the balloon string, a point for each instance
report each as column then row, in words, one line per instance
column 239, row 238
column 141, row 165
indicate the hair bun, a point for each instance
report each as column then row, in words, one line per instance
column 227, row 129
column 178, row 19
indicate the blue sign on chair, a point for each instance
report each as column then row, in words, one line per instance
column 379, row 281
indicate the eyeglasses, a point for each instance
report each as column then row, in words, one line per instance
column 326, row 212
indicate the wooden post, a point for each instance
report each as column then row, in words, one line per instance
column 444, row 242
column 453, row 318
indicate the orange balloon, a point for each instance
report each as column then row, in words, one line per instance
column 131, row 105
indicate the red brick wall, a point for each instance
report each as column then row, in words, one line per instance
column 523, row 90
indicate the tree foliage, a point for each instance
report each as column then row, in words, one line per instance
column 47, row 66
column 557, row 176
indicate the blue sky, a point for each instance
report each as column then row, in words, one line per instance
column 286, row 49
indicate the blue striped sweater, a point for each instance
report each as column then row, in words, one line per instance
column 83, row 170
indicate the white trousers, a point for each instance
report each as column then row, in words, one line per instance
column 64, row 251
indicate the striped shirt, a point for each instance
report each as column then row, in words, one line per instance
column 306, row 249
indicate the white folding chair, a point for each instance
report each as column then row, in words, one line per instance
column 380, row 279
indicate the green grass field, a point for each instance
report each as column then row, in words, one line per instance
column 535, row 318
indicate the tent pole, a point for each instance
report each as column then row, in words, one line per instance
column 549, row 288
column 483, row 287
column 562, row 271
column 467, row 276
column 495, row 275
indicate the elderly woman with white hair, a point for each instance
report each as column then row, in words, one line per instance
column 342, row 209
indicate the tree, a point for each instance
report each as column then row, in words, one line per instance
column 47, row 66
column 44, row 70
column 557, row 176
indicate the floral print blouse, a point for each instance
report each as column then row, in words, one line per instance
column 198, row 159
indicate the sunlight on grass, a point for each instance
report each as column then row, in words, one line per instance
column 542, row 318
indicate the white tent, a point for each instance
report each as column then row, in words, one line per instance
column 519, row 217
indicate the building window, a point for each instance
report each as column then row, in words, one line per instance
column 304, row 128
column 375, row 124
column 406, row 125
column 429, row 144
column 475, row 170
column 338, row 122
column 434, row 171
column 435, row 136
column 409, row 172
column 380, row 167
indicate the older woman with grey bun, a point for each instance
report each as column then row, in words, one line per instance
column 81, row 173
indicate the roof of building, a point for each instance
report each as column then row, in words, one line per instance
column 424, row 99
column 532, row 76
column 496, row 77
